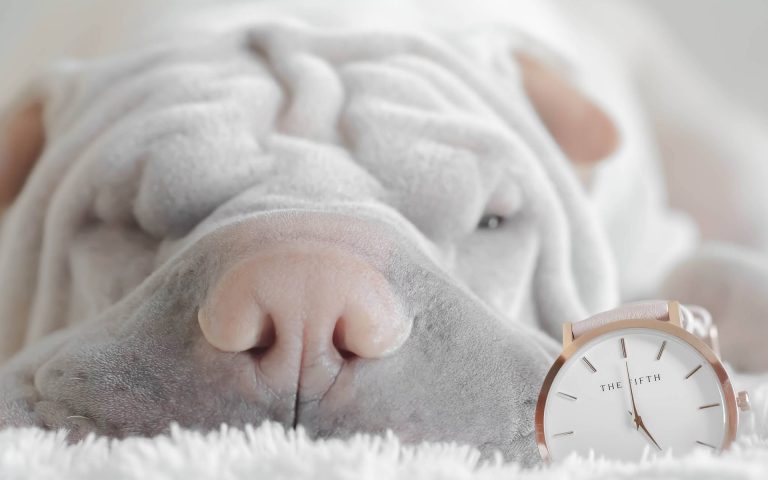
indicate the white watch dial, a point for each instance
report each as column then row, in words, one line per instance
column 675, row 402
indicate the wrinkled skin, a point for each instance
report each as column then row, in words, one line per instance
column 467, row 372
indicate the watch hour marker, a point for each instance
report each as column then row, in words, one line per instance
column 709, row 406
column 692, row 372
column 563, row 434
column 565, row 395
column 661, row 350
column 706, row 444
column 588, row 364
column 623, row 349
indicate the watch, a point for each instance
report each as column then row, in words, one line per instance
column 644, row 377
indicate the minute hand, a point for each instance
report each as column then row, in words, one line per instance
column 635, row 416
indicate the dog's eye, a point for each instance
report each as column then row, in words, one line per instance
column 490, row 222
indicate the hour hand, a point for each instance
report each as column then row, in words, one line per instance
column 642, row 425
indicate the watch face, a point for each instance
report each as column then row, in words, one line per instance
column 632, row 390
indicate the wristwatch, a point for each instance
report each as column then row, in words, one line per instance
column 646, row 376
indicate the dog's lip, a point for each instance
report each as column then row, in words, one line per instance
column 301, row 398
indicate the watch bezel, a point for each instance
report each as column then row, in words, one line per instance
column 732, row 414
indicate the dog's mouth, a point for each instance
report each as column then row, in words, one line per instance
column 339, row 411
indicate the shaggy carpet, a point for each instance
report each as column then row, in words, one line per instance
column 271, row 452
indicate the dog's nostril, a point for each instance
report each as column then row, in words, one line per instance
column 257, row 351
column 266, row 340
column 267, row 336
column 347, row 355
column 339, row 342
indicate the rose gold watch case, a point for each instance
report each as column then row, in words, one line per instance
column 672, row 328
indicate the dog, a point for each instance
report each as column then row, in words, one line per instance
column 336, row 226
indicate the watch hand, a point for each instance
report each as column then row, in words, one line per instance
column 635, row 416
column 642, row 425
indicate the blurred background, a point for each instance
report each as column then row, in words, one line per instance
column 727, row 38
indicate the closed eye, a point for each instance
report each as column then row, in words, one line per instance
column 491, row 222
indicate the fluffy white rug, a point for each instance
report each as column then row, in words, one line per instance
column 274, row 453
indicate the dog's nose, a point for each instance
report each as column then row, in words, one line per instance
column 303, row 308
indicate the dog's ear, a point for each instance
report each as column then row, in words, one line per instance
column 22, row 138
column 584, row 132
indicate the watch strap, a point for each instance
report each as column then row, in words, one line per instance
column 693, row 318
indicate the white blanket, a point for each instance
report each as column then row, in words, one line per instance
column 270, row 452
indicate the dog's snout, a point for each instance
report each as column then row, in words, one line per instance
column 305, row 308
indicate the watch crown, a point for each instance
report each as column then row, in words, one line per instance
column 742, row 400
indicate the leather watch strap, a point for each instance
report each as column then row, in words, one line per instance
column 693, row 318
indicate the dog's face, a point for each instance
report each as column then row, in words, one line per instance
column 344, row 232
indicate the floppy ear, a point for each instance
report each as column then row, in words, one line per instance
column 21, row 141
column 583, row 131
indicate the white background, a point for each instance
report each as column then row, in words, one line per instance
column 729, row 39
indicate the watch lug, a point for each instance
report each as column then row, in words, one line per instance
column 673, row 307
column 567, row 334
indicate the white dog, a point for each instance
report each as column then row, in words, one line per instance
column 358, row 219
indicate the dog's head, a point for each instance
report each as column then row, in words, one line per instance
column 346, row 231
